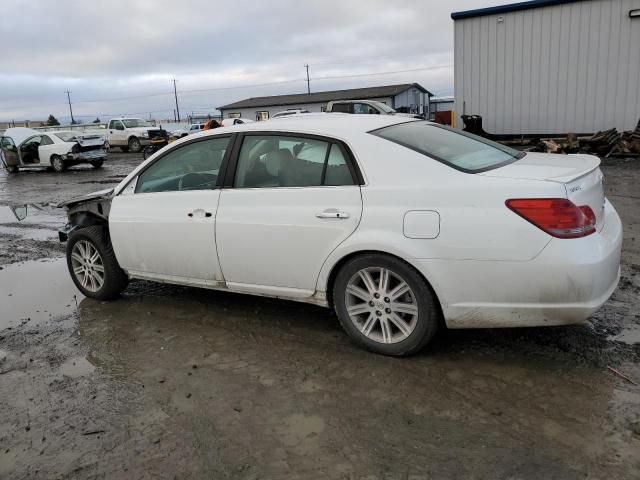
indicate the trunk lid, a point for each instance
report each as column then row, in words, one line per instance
column 580, row 175
column 90, row 140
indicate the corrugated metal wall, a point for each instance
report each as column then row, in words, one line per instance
column 573, row 67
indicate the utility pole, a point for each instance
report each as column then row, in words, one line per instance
column 308, row 84
column 70, row 110
column 175, row 94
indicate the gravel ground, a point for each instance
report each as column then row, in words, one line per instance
column 173, row 382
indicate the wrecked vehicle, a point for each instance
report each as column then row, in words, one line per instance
column 398, row 224
column 28, row 148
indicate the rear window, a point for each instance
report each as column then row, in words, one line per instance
column 460, row 150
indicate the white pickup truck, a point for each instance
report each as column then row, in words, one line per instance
column 130, row 134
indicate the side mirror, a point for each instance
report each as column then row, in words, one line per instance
column 20, row 212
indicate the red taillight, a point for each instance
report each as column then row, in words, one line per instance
column 558, row 217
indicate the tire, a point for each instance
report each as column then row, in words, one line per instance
column 148, row 151
column 12, row 169
column 58, row 163
column 134, row 145
column 114, row 279
column 124, row 149
column 372, row 318
column 97, row 163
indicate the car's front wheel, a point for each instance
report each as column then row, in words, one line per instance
column 93, row 265
column 385, row 305
column 97, row 163
column 58, row 163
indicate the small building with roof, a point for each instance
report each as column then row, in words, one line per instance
column 406, row 97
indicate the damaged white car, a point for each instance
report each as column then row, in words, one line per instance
column 28, row 148
column 400, row 225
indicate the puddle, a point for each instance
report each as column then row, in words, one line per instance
column 630, row 336
column 36, row 291
column 77, row 367
column 42, row 234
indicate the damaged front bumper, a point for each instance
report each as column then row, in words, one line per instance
column 64, row 232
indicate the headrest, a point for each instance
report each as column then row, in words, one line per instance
column 275, row 160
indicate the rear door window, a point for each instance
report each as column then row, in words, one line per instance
column 268, row 161
column 460, row 150
column 341, row 107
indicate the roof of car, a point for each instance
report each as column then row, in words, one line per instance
column 321, row 123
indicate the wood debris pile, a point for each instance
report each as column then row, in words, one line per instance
column 606, row 143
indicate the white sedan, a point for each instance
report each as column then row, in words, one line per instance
column 400, row 225
column 27, row 148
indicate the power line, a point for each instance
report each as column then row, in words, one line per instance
column 236, row 87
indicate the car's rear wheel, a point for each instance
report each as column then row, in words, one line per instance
column 93, row 265
column 134, row 145
column 58, row 163
column 385, row 305
column 97, row 163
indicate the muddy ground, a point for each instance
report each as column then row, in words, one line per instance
column 172, row 382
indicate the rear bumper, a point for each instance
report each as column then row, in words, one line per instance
column 564, row 284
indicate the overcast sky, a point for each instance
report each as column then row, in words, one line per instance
column 109, row 54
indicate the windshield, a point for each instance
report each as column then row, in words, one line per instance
column 460, row 150
column 135, row 122
column 385, row 108
column 66, row 136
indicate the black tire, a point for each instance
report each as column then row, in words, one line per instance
column 134, row 145
column 148, row 151
column 97, row 163
column 58, row 163
column 428, row 316
column 124, row 149
column 12, row 169
column 115, row 279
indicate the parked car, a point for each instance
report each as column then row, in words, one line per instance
column 289, row 112
column 367, row 107
column 183, row 132
column 25, row 147
column 130, row 134
column 397, row 224
column 227, row 122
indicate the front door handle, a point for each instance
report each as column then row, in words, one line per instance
column 200, row 213
column 332, row 213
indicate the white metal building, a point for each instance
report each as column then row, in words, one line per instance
column 409, row 97
column 549, row 66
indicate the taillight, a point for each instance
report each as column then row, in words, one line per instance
column 558, row 217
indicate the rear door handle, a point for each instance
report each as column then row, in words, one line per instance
column 332, row 213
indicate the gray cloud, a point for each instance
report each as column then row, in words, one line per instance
column 110, row 50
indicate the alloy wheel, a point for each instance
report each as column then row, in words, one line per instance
column 381, row 304
column 87, row 265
